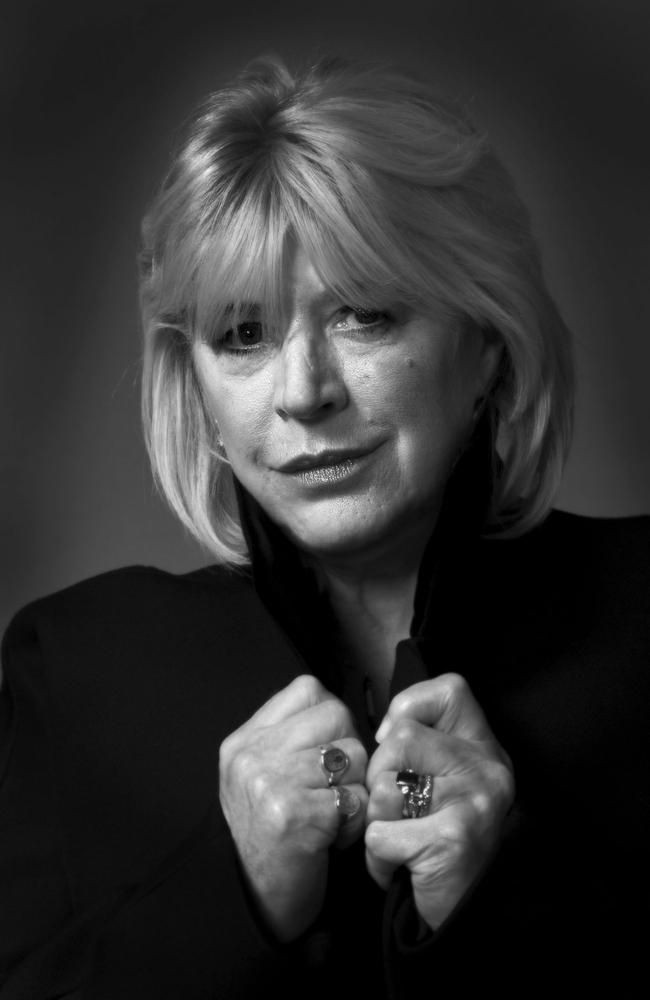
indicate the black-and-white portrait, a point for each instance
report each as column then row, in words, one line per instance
column 325, row 493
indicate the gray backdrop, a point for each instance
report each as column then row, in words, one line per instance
column 91, row 96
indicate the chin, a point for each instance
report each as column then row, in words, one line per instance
column 340, row 536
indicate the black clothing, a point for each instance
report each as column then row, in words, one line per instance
column 118, row 875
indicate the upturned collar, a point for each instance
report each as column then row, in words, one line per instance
column 287, row 584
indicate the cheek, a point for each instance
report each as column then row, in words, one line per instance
column 411, row 393
column 429, row 389
column 239, row 407
column 432, row 407
column 242, row 418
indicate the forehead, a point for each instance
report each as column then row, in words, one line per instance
column 304, row 289
column 298, row 285
column 303, row 283
column 277, row 270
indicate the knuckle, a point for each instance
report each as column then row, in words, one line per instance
column 274, row 807
column 453, row 686
column 503, row 782
column 374, row 838
column 230, row 752
column 260, row 786
column 339, row 717
column 483, row 805
column 384, row 788
column 403, row 703
column 244, row 766
column 455, row 832
column 499, row 779
column 226, row 751
column 279, row 816
column 493, row 796
column 405, row 732
column 309, row 688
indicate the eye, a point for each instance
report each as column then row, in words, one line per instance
column 243, row 338
column 363, row 317
column 367, row 317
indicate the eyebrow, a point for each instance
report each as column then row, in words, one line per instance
column 322, row 299
column 241, row 309
column 248, row 309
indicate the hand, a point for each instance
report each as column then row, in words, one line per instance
column 281, row 812
column 436, row 727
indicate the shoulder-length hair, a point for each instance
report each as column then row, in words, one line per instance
column 392, row 194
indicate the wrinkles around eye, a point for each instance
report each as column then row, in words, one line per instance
column 363, row 318
column 249, row 336
column 243, row 338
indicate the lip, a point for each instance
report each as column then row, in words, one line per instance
column 323, row 459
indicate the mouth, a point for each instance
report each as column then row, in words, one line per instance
column 330, row 458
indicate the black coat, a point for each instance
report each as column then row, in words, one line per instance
column 118, row 876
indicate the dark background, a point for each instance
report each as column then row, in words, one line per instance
column 90, row 97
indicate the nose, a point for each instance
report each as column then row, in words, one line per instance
column 309, row 384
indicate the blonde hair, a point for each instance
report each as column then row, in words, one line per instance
column 392, row 194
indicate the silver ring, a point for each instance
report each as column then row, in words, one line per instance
column 417, row 791
column 347, row 802
column 334, row 762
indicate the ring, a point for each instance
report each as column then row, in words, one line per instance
column 417, row 790
column 334, row 762
column 347, row 802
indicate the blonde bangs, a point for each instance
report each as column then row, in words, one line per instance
column 336, row 218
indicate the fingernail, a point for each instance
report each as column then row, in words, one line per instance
column 348, row 803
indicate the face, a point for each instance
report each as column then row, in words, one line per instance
column 344, row 424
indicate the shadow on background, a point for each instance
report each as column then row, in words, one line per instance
column 91, row 98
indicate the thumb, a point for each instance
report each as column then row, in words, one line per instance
column 382, row 859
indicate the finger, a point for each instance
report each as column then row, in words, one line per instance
column 351, row 813
column 441, row 851
column 303, row 692
column 307, row 770
column 291, row 750
column 451, row 832
column 327, row 722
column 410, row 744
column 386, row 799
column 379, row 870
column 445, row 702
column 309, row 818
column 317, row 810
column 391, row 844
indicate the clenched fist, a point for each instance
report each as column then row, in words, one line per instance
column 437, row 727
column 275, row 796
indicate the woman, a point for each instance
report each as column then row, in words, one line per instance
column 358, row 394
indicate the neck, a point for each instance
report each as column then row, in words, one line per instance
column 371, row 595
column 381, row 578
column 381, row 597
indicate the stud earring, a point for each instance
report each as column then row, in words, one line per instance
column 220, row 452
